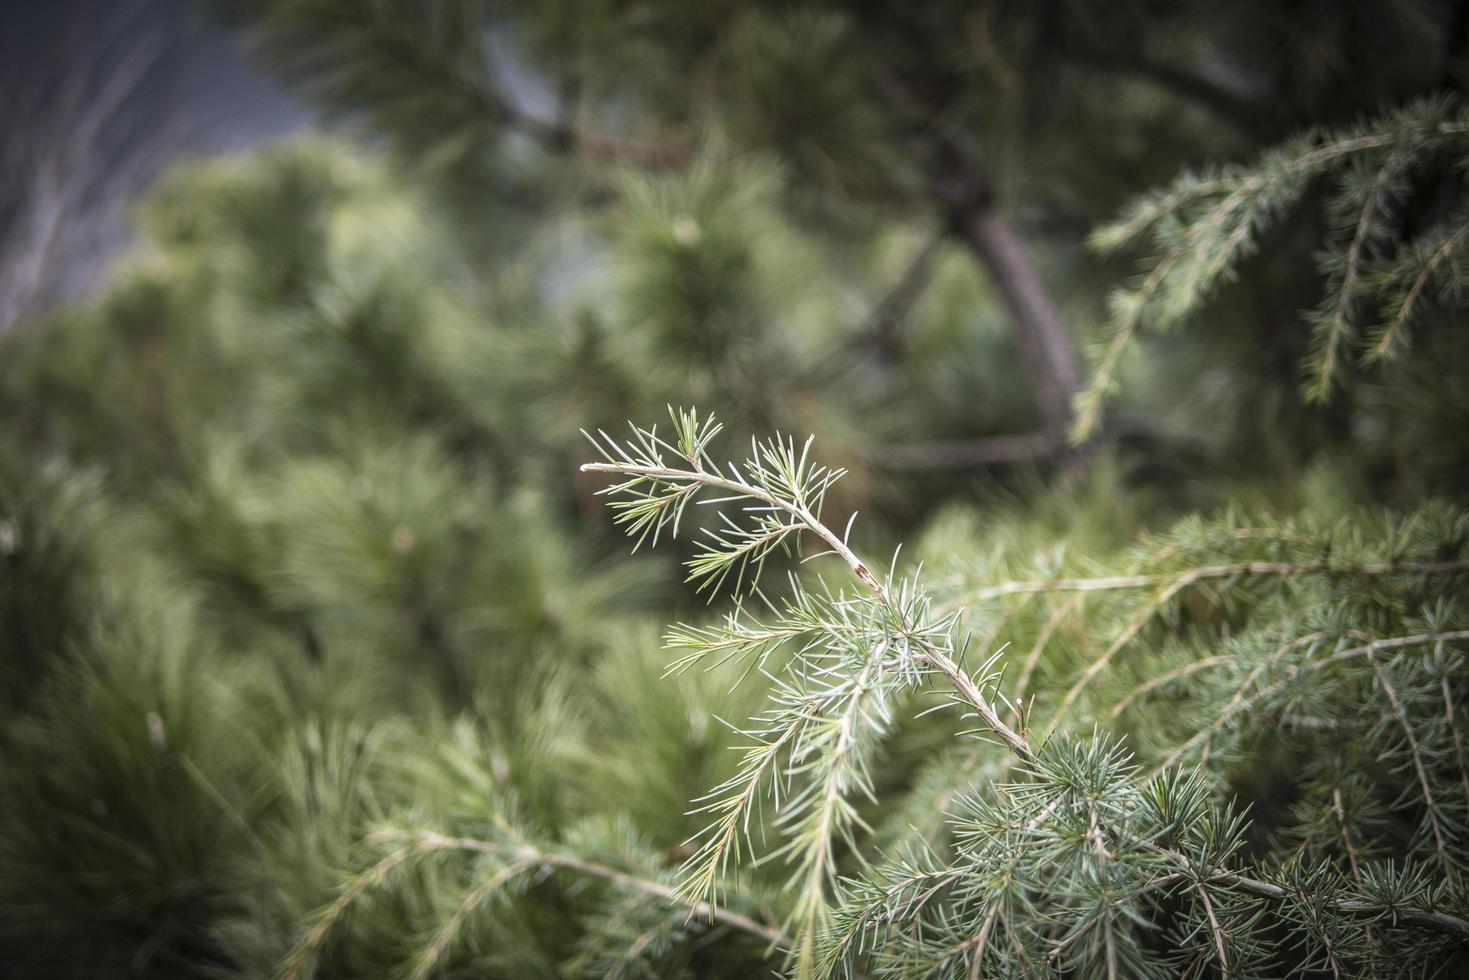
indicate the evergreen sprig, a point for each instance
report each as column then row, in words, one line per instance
column 1205, row 225
column 1080, row 864
column 832, row 702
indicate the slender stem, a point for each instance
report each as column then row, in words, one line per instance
column 881, row 332
column 970, row 693
column 1410, row 299
column 656, row 889
column 981, row 939
column 523, row 857
column 1123, row 639
column 1430, row 806
column 1440, row 921
column 1178, row 673
column 1122, row 582
column 1341, row 324
column 1448, row 715
column 940, row 661
column 1033, row 658
column 1215, row 930
column 450, row 929
column 1340, row 812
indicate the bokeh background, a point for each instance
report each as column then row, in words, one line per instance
column 305, row 303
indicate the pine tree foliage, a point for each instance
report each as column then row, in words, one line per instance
column 327, row 550
column 43, row 534
column 319, row 658
column 279, row 442
column 1381, row 276
column 1084, row 863
column 880, row 123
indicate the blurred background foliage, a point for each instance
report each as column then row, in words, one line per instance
column 292, row 543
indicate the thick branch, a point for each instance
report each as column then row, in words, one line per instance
column 1039, row 333
column 966, row 199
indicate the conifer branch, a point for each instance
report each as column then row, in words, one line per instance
column 777, row 478
column 1425, row 787
column 1455, row 734
column 780, row 485
column 1122, row 640
column 1204, row 226
column 1164, row 679
column 1176, row 584
column 449, row 932
column 1424, row 268
column 1203, row 573
column 1335, row 328
column 1241, row 699
column 521, row 858
column 891, row 646
column 1042, row 640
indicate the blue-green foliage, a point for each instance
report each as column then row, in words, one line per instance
column 319, row 655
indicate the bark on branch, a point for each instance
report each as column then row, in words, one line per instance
column 963, row 193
